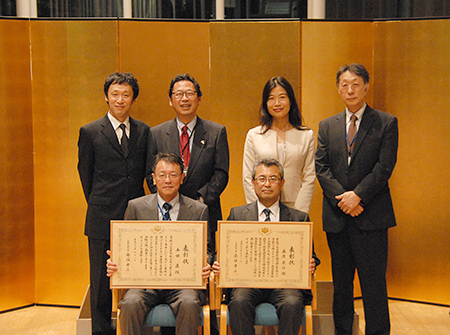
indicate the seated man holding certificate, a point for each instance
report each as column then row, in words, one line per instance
column 166, row 204
column 268, row 181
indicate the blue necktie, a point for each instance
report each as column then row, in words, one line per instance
column 267, row 212
column 167, row 207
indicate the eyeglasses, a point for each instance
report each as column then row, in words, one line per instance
column 271, row 179
column 172, row 176
column 180, row 94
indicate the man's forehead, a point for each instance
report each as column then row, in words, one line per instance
column 269, row 170
column 163, row 165
column 183, row 83
column 350, row 76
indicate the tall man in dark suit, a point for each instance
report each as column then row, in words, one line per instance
column 356, row 154
column 268, row 181
column 167, row 204
column 202, row 144
column 115, row 155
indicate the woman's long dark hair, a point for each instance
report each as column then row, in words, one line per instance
column 295, row 116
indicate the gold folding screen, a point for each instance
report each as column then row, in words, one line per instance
column 232, row 61
column 16, row 167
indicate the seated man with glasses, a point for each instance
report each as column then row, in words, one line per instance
column 268, row 181
column 166, row 204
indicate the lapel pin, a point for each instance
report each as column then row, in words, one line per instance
column 202, row 142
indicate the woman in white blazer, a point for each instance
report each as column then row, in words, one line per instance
column 281, row 135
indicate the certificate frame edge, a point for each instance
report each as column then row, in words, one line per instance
column 306, row 223
column 203, row 286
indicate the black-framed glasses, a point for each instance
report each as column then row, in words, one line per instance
column 271, row 179
column 180, row 94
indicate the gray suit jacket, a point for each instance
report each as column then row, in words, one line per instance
column 146, row 208
column 373, row 160
column 209, row 164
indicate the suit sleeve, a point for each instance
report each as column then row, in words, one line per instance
column 231, row 216
column 212, row 190
column 130, row 212
column 247, row 167
column 151, row 153
column 378, row 178
column 85, row 162
column 304, row 197
column 330, row 185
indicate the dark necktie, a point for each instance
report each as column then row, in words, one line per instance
column 351, row 134
column 184, row 147
column 267, row 212
column 124, row 140
column 167, row 207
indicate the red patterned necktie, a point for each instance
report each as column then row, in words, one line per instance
column 184, row 147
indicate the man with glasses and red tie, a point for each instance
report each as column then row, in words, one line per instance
column 201, row 144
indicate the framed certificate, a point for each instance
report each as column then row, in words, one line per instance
column 265, row 254
column 158, row 254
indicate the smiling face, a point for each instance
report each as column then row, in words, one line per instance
column 185, row 107
column 168, row 178
column 120, row 100
column 352, row 90
column 278, row 103
column 268, row 192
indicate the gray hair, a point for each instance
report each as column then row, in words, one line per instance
column 268, row 162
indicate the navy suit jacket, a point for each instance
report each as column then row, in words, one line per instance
column 373, row 159
column 209, row 163
column 110, row 179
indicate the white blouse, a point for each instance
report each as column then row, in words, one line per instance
column 299, row 169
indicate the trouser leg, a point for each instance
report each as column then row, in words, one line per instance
column 241, row 309
column 186, row 304
column 371, row 254
column 289, row 305
column 134, row 306
column 343, row 270
column 101, row 296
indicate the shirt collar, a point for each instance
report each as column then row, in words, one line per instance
column 116, row 123
column 359, row 113
column 275, row 209
column 190, row 125
column 173, row 202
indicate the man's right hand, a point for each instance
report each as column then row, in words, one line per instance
column 111, row 267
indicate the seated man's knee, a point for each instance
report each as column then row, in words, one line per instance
column 131, row 301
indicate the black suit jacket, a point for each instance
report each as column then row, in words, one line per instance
column 110, row 179
column 207, row 175
column 373, row 159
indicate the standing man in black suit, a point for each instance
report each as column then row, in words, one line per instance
column 115, row 155
column 268, row 181
column 202, row 144
column 356, row 155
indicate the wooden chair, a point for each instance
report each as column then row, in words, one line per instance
column 266, row 313
column 162, row 315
